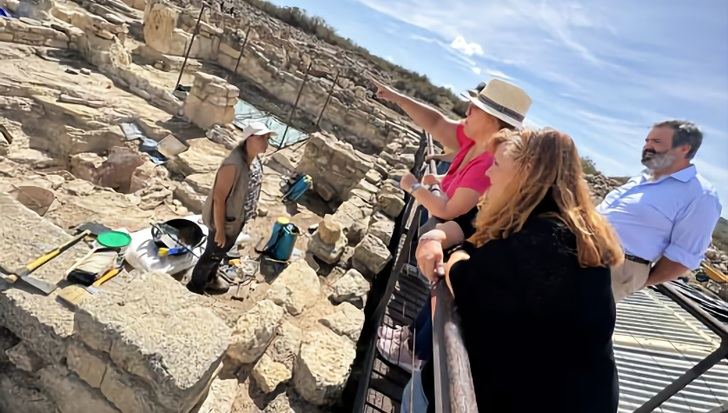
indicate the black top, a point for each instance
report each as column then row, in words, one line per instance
column 537, row 327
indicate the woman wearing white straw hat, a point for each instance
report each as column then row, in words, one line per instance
column 232, row 200
column 496, row 105
column 493, row 106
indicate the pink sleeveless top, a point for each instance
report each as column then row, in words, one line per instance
column 471, row 175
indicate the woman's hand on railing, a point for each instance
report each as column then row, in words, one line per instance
column 407, row 181
column 430, row 179
column 430, row 255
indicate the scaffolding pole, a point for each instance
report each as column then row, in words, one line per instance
column 331, row 92
column 242, row 49
column 295, row 105
column 189, row 47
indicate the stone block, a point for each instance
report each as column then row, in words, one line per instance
column 371, row 256
column 351, row 287
column 268, row 374
column 89, row 365
column 382, row 229
column 158, row 332
column 191, row 199
column 254, row 331
column 323, row 366
column 329, row 240
column 296, row 288
column 6, row 37
column 221, row 396
column 70, row 394
column 346, row 320
column 130, row 395
column 203, row 156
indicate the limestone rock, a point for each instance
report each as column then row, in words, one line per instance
column 70, row 393
column 351, row 287
column 24, row 358
column 329, row 240
column 177, row 367
column 254, row 331
column 335, row 166
column 268, row 374
column 203, row 156
column 208, row 104
column 354, row 216
column 382, row 229
column 371, row 256
column 19, row 393
column 286, row 345
column 390, row 199
column 221, row 396
column 296, row 288
column 280, row 404
column 42, row 322
column 323, row 366
column 345, row 320
column 90, row 366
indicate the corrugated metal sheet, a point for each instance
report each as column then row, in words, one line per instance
column 655, row 342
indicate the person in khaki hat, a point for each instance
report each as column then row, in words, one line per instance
column 232, row 200
column 494, row 106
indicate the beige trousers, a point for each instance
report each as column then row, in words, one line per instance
column 627, row 278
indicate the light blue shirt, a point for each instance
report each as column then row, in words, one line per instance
column 673, row 216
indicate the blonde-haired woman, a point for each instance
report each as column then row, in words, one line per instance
column 532, row 285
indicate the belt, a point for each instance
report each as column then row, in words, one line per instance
column 636, row 259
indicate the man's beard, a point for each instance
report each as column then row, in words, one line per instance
column 655, row 161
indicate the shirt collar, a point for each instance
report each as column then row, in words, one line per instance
column 683, row 175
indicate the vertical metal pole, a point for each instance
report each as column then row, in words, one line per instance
column 295, row 105
column 331, row 92
column 242, row 48
column 189, row 47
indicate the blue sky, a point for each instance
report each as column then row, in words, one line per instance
column 603, row 71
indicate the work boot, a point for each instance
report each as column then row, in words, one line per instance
column 217, row 286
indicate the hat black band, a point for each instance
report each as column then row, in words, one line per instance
column 500, row 108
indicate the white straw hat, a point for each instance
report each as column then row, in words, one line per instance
column 256, row 128
column 503, row 100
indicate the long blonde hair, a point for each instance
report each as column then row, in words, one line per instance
column 547, row 164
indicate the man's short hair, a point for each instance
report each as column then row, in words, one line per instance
column 684, row 133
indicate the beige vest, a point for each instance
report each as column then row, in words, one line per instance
column 235, row 202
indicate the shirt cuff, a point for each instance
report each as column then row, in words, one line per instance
column 682, row 256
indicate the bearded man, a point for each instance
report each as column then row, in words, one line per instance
column 666, row 216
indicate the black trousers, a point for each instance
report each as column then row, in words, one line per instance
column 206, row 267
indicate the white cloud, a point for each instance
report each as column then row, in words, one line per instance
column 389, row 58
column 497, row 73
column 476, row 70
column 467, row 48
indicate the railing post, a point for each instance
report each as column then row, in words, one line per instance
column 295, row 105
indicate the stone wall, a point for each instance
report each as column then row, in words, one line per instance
column 32, row 32
column 145, row 345
column 335, row 166
column 211, row 101
column 275, row 60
